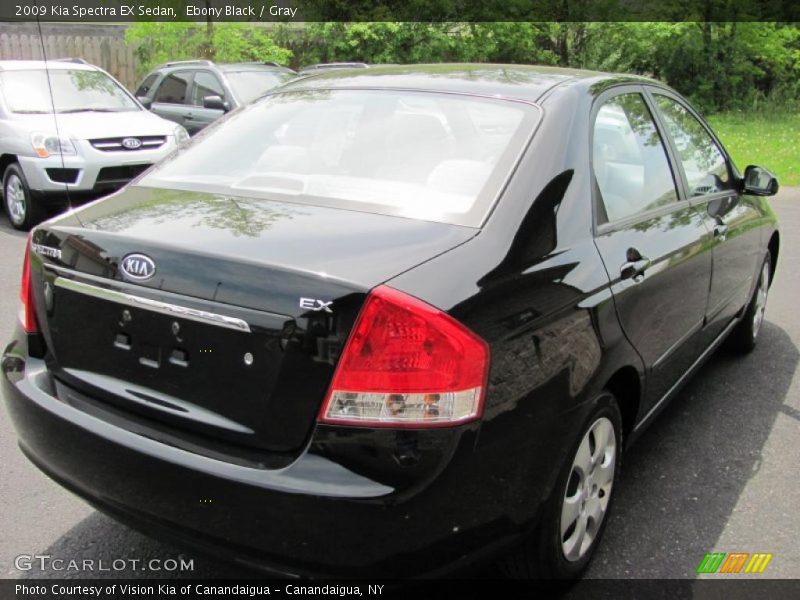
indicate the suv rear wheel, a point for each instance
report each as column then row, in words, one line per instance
column 22, row 210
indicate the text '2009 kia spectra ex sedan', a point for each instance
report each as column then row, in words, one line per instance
column 392, row 317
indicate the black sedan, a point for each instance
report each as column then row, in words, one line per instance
column 391, row 321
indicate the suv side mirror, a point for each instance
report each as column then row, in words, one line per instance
column 759, row 181
column 145, row 101
column 216, row 103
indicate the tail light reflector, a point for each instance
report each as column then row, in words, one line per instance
column 27, row 313
column 407, row 364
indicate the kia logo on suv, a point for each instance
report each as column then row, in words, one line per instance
column 138, row 267
column 132, row 143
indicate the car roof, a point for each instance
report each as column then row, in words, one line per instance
column 52, row 65
column 517, row 82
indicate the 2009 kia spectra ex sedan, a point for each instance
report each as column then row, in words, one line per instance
column 392, row 321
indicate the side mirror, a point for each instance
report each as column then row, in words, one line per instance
column 146, row 102
column 216, row 103
column 759, row 181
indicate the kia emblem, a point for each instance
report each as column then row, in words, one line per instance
column 138, row 267
column 131, row 143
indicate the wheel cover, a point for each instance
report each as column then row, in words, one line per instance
column 588, row 489
column 761, row 299
column 16, row 202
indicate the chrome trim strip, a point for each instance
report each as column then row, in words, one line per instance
column 668, row 352
column 165, row 308
column 689, row 372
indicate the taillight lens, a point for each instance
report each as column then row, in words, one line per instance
column 407, row 364
column 27, row 313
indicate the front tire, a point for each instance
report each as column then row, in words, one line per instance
column 575, row 515
column 22, row 210
column 744, row 336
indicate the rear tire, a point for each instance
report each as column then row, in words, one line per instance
column 576, row 513
column 22, row 210
column 744, row 336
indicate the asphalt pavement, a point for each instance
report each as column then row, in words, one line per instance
column 717, row 471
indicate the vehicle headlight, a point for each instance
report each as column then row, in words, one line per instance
column 46, row 144
column 181, row 136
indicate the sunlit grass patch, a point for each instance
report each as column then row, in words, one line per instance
column 769, row 140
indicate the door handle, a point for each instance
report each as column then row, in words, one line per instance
column 720, row 231
column 635, row 269
column 636, row 265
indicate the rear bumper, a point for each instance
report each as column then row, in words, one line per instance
column 314, row 517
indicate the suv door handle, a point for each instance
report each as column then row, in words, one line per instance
column 636, row 265
column 720, row 231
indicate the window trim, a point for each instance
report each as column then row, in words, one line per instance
column 600, row 229
column 696, row 201
column 186, row 93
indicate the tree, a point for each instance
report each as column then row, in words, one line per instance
column 224, row 42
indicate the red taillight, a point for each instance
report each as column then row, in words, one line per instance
column 27, row 313
column 407, row 364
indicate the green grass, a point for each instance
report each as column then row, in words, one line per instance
column 767, row 140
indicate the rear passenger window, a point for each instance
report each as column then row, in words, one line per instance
column 173, row 89
column 703, row 162
column 629, row 160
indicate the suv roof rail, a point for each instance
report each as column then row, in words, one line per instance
column 194, row 61
column 266, row 63
column 337, row 65
column 78, row 61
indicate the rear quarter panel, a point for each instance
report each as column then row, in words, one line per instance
column 533, row 286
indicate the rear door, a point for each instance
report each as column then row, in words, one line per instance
column 711, row 185
column 205, row 83
column 171, row 97
column 654, row 243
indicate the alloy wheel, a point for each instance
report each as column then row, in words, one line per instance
column 16, row 200
column 761, row 299
column 588, row 489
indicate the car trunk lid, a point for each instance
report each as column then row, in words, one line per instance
column 234, row 337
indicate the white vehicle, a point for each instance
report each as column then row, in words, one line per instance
column 69, row 131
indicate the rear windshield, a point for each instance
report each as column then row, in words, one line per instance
column 249, row 85
column 431, row 156
column 75, row 90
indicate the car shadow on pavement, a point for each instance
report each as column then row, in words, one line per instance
column 680, row 481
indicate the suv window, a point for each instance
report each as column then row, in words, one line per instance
column 146, row 85
column 173, row 88
column 629, row 159
column 205, row 84
column 249, row 85
column 703, row 162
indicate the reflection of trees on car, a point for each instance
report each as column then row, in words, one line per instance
column 702, row 161
column 93, row 81
column 239, row 216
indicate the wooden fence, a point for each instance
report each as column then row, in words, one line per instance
column 103, row 46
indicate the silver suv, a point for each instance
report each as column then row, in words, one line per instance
column 69, row 132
